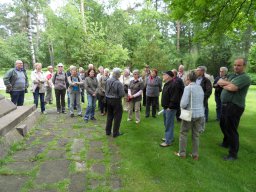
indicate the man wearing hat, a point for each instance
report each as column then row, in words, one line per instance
column 170, row 103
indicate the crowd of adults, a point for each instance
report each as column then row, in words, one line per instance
column 119, row 90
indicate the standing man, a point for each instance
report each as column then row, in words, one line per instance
column 170, row 103
column 114, row 93
column 181, row 73
column 181, row 86
column 49, row 85
column 218, row 90
column 233, row 105
column 145, row 75
column 16, row 82
column 207, row 88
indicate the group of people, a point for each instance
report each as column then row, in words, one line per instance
column 116, row 92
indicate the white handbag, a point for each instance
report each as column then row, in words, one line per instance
column 185, row 114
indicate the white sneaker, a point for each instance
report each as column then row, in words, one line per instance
column 44, row 112
column 137, row 122
column 128, row 119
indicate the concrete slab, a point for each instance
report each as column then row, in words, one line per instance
column 6, row 107
column 10, row 120
column 53, row 172
column 20, row 166
column 78, row 183
column 11, row 183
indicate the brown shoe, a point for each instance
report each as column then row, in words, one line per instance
column 179, row 155
column 195, row 157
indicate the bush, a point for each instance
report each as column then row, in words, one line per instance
column 253, row 78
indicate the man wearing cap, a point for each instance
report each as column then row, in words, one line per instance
column 170, row 103
column 16, row 82
column 60, row 84
column 49, row 85
column 233, row 104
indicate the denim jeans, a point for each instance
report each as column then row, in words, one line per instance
column 89, row 113
column 75, row 96
column 169, row 116
column 17, row 97
column 36, row 95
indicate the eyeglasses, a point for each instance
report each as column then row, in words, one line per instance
column 60, row 66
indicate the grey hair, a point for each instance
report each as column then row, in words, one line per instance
column 127, row 70
column 135, row 71
column 203, row 68
column 106, row 70
column 225, row 69
column 18, row 61
column 116, row 72
column 191, row 75
column 73, row 68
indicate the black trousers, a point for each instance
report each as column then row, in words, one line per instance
column 151, row 101
column 144, row 97
column 115, row 112
column 60, row 99
column 229, row 121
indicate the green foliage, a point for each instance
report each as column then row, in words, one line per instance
column 13, row 48
column 253, row 78
column 252, row 59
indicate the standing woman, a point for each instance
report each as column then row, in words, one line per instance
column 102, row 91
column 60, row 83
column 125, row 80
column 74, row 90
column 194, row 93
column 135, row 91
column 90, row 85
column 38, row 86
column 154, row 87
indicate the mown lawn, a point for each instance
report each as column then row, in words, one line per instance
column 148, row 167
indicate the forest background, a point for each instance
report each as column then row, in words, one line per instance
column 162, row 34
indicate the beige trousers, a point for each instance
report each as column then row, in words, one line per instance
column 136, row 106
column 195, row 126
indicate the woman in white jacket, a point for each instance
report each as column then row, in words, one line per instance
column 38, row 86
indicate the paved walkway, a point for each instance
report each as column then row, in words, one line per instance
column 62, row 154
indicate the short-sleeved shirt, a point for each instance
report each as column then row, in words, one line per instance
column 242, row 81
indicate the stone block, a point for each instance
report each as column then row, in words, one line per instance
column 22, row 129
column 6, row 107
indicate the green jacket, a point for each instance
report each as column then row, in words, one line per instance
column 10, row 77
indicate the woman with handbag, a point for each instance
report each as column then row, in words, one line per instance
column 192, row 100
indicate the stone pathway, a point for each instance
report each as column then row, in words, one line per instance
column 62, row 154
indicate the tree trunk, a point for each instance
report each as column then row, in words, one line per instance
column 30, row 38
column 82, row 14
column 178, row 35
column 247, row 41
column 50, row 48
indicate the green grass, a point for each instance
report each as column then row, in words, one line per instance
column 148, row 167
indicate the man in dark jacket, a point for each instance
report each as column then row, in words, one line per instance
column 170, row 103
column 207, row 88
column 114, row 93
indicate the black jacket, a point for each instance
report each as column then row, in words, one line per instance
column 171, row 95
column 207, row 88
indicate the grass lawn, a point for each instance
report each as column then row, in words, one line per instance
column 147, row 167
